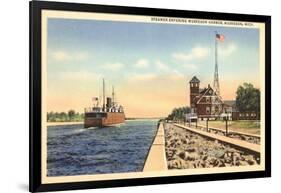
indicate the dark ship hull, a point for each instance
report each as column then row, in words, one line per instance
column 103, row 119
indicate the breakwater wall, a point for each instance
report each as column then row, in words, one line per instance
column 156, row 158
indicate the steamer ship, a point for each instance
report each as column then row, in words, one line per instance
column 109, row 113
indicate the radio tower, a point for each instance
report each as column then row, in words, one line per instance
column 216, row 75
column 218, row 37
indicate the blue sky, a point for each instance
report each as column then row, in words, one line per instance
column 125, row 52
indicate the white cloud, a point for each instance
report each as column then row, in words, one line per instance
column 81, row 56
column 142, row 63
column 143, row 77
column 160, row 65
column 195, row 53
column 172, row 75
column 79, row 76
column 113, row 66
column 62, row 56
column 190, row 66
column 227, row 50
column 176, row 75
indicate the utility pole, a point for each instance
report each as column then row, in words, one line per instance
column 207, row 124
column 226, row 126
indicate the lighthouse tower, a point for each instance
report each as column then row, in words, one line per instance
column 194, row 84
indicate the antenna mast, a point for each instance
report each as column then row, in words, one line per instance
column 216, row 75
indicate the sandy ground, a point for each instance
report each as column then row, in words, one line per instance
column 187, row 150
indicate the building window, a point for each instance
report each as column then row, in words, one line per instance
column 207, row 110
column 247, row 115
column 217, row 109
column 207, row 99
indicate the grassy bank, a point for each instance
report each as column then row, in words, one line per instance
column 247, row 126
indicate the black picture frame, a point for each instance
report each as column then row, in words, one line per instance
column 35, row 95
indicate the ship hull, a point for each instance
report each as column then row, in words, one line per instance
column 103, row 119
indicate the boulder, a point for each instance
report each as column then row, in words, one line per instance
column 192, row 156
column 242, row 163
column 183, row 155
column 251, row 162
column 191, row 149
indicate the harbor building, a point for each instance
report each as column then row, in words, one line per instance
column 206, row 103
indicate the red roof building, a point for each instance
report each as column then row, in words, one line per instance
column 204, row 102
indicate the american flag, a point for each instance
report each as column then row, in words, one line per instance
column 95, row 98
column 220, row 37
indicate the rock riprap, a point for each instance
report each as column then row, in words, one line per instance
column 185, row 150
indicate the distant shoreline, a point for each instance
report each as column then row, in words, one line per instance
column 81, row 122
column 64, row 123
column 132, row 118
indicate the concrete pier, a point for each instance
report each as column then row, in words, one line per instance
column 156, row 159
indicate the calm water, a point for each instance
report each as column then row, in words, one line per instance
column 73, row 150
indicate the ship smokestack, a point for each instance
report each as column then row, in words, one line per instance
column 113, row 96
column 108, row 102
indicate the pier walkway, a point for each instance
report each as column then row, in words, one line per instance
column 156, row 159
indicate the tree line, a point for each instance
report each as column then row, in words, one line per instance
column 178, row 113
column 68, row 116
column 248, row 98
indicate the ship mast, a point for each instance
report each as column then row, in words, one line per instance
column 103, row 93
